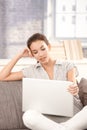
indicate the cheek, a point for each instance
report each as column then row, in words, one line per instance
column 35, row 56
column 47, row 52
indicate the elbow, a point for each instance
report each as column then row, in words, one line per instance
column 2, row 78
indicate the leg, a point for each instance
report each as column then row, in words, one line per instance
column 36, row 121
column 79, row 121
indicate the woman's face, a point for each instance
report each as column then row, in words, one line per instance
column 40, row 50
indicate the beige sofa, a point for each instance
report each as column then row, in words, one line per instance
column 11, row 105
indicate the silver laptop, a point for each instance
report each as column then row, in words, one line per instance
column 47, row 96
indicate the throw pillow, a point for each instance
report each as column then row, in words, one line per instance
column 83, row 90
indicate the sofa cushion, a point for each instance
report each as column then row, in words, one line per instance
column 11, row 105
column 83, row 90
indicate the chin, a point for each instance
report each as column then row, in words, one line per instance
column 44, row 62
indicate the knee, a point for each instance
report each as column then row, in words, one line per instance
column 30, row 118
column 85, row 107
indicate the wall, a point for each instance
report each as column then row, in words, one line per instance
column 19, row 19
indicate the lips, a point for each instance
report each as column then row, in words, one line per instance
column 42, row 59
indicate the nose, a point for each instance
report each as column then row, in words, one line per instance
column 40, row 53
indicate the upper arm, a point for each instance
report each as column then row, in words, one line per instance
column 14, row 76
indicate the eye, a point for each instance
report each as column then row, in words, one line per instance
column 42, row 49
column 34, row 52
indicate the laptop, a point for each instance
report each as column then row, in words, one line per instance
column 47, row 96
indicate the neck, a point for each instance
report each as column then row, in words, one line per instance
column 49, row 68
column 50, row 63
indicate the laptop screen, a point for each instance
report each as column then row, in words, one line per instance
column 47, row 96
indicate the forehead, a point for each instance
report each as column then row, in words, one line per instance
column 37, row 44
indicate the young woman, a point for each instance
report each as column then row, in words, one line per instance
column 45, row 68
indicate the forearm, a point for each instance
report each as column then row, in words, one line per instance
column 8, row 68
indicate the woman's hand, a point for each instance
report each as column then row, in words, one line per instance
column 73, row 89
column 25, row 53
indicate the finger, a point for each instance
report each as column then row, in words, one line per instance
column 73, row 89
column 73, row 92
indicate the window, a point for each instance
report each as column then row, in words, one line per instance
column 71, row 19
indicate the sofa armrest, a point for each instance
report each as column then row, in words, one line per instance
column 11, row 105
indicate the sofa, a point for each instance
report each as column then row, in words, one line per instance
column 11, row 104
